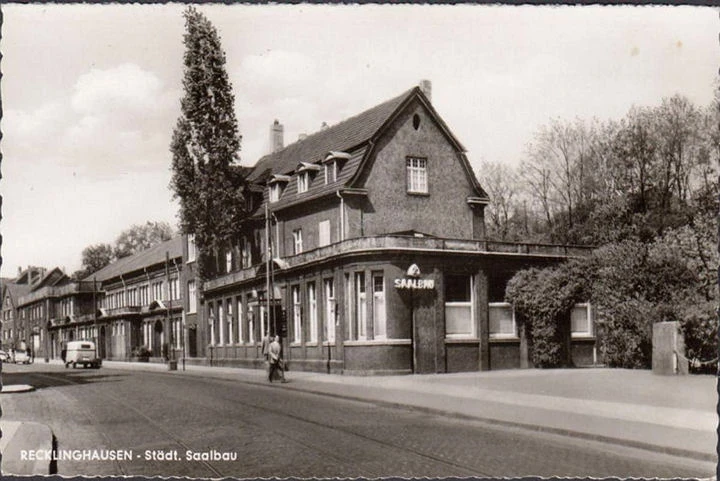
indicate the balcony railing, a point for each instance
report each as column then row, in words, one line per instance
column 393, row 242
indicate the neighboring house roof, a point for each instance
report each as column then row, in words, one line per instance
column 149, row 257
column 51, row 278
column 350, row 144
column 344, row 136
column 15, row 291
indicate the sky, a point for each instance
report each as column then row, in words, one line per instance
column 91, row 93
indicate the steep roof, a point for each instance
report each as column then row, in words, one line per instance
column 17, row 290
column 149, row 257
column 344, row 136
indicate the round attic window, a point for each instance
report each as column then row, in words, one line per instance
column 416, row 121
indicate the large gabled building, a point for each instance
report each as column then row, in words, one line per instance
column 367, row 254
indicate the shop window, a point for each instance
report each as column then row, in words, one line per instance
column 360, row 305
column 297, row 315
column 502, row 320
column 240, row 319
column 251, row 326
column 312, row 306
column 459, row 319
column 221, row 322
column 379, row 315
column 232, row 335
column 581, row 320
column 329, row 310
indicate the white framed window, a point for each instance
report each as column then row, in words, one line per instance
column 192, row 297
column 157, row 290
column 275, row 191
column 312, row 307
column 379, row 315
column 459, row 318
column 192, row 251
column 360, row 305
column 221, row 322
column 297, row 241
column 417, row 180
column 323, row 233
column 228, row 260
column 251, row 326
column 303, row 182
column 231, row 334
column 581, row 320
column 213, row 321
column 246, row 253
column 144, row 295
column 502, row 320
column 330, row 172
column 329, row 310
column 240, row 319
column 297, row 315
column 174, row 288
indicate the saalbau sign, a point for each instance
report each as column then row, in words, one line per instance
column 414, row 283
column 412, row 280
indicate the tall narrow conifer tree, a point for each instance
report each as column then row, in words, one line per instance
column 206, row 144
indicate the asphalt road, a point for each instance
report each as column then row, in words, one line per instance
column 272, row 431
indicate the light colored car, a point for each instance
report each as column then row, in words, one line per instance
column 82, row 352
column 21, row 357
column 4, row 356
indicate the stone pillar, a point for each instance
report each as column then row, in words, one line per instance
column 668, row 349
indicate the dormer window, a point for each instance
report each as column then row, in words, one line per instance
column 330, row 172
column 276, row 186
column 303, row 182
column 274, row 192
column 305, row 170
column 332, row 162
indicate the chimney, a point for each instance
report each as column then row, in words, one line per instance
column 426, row 87
column 324, row 126
column 19, row 271
column 276, row 137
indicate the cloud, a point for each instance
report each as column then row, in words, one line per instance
column 116, row 120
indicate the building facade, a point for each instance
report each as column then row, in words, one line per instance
column 141, row 304
column 367, row 254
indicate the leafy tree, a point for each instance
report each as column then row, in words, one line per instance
column 94, row 258
column 205, row 145
column 140, row 237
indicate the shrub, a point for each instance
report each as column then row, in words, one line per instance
column 699, row 325
column 542, row 299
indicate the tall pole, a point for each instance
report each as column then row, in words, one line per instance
column 95, row 309
column 168, row 327
column 267, row 264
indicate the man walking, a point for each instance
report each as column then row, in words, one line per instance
column 275, row 354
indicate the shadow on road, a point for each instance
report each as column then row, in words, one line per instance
column 45, row 379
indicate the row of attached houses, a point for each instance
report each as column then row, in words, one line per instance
column 365, row 252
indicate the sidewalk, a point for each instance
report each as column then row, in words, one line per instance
column 668, row 414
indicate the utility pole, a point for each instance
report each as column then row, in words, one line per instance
column 267, row 266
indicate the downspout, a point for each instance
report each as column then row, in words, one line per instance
column 342, row 215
